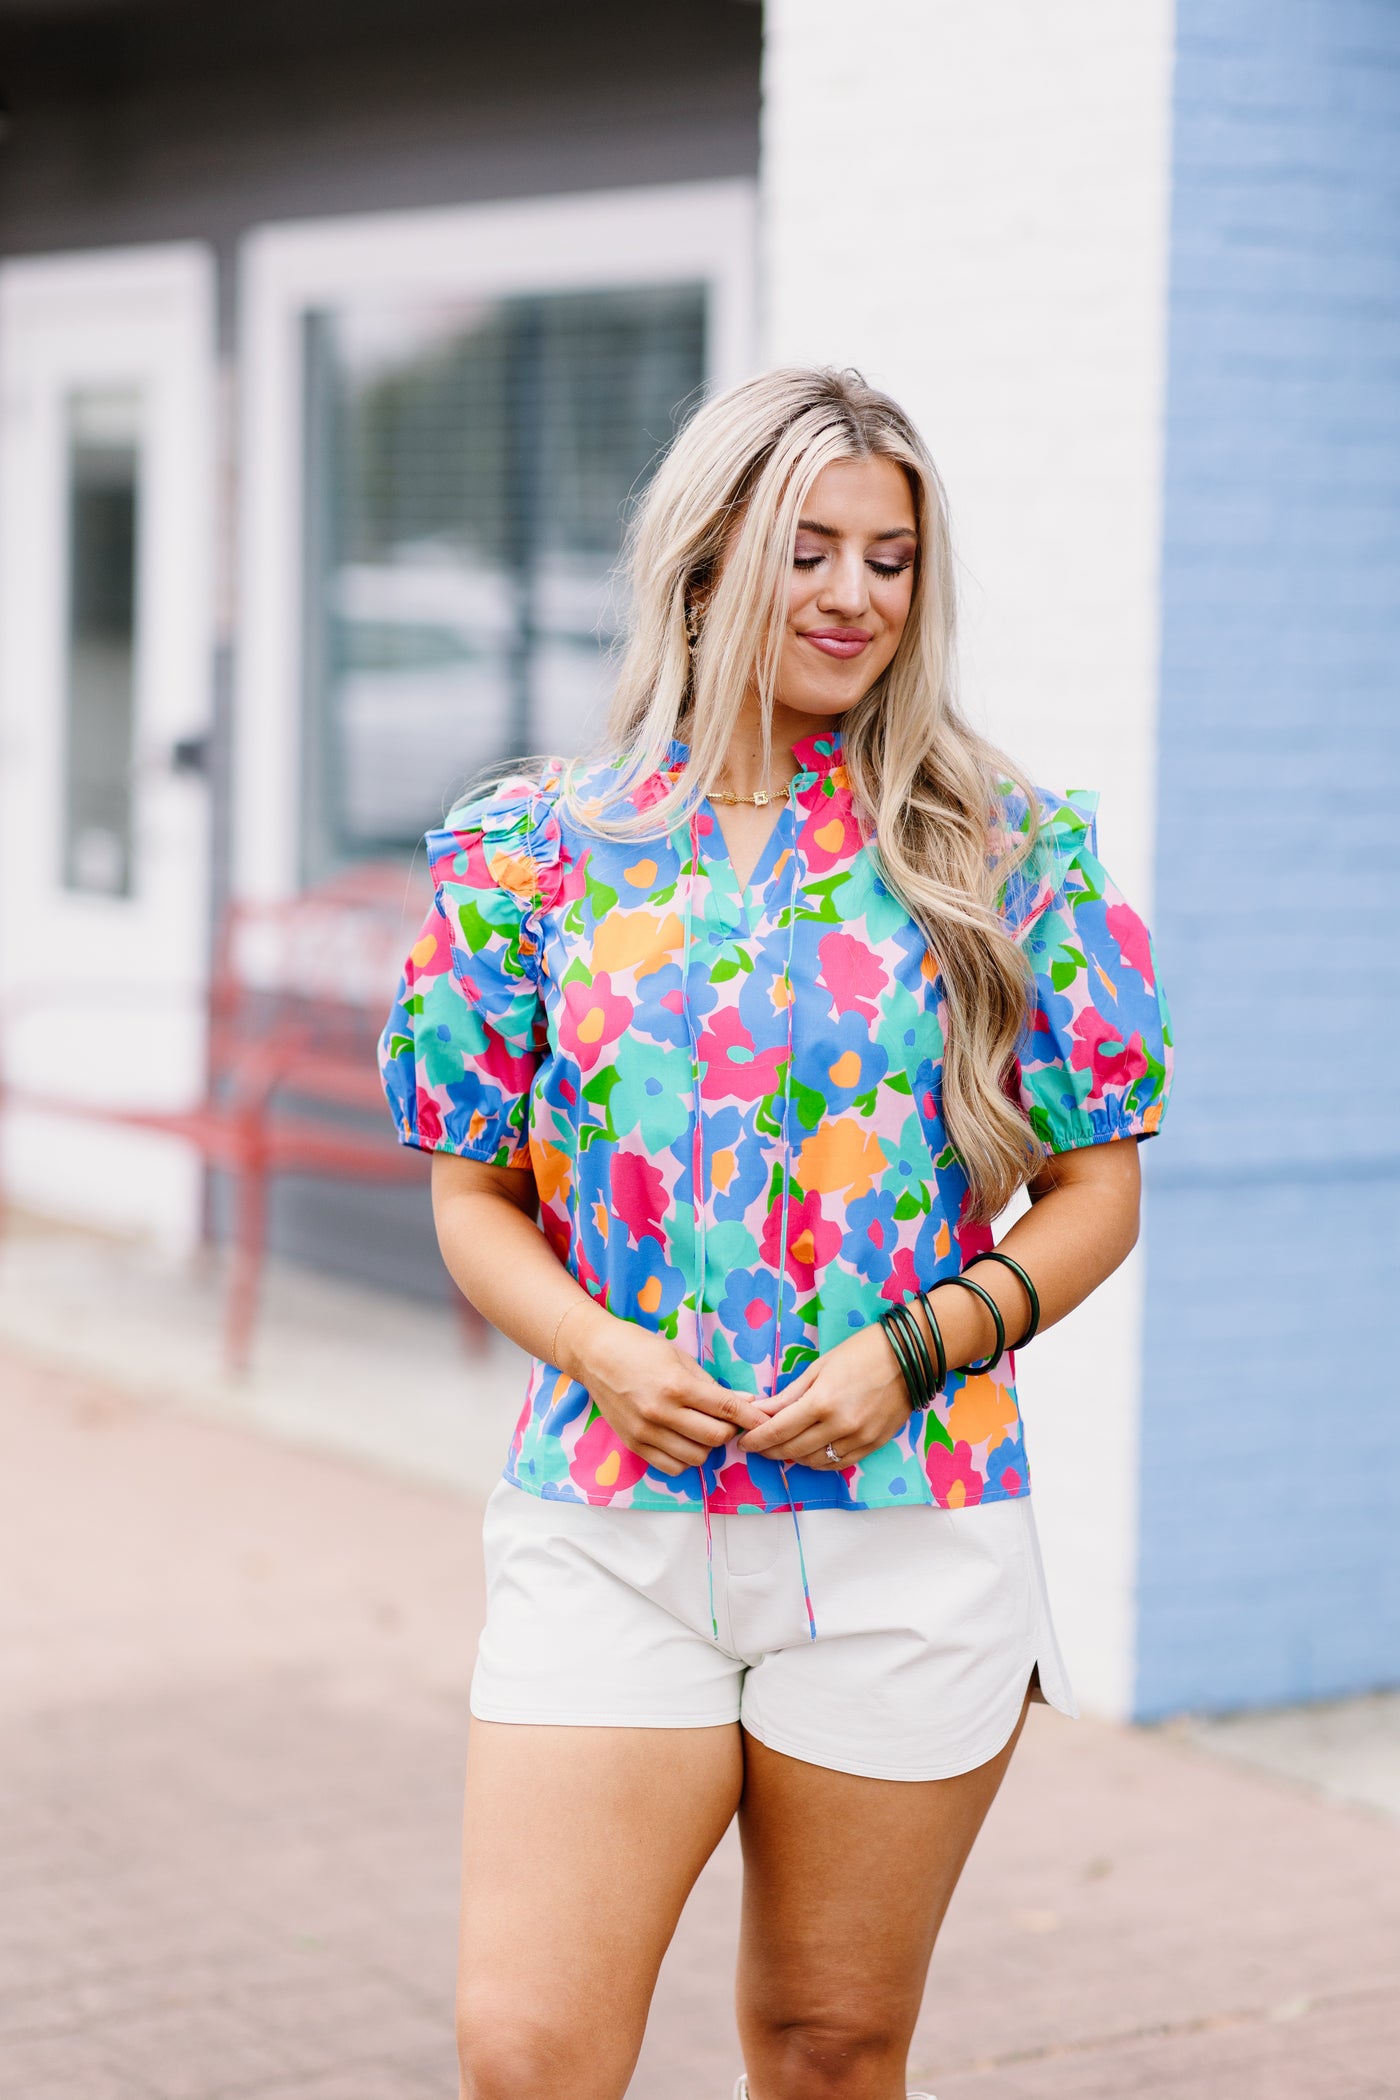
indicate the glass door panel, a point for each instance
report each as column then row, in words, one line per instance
column 102, row 469
column 470, row 465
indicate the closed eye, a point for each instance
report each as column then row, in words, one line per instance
column 876, row 568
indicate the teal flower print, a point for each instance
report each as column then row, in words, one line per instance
column 651, row 1095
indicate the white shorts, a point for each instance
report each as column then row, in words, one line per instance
column 928, row 1625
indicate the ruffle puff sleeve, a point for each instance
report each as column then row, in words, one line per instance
column 1095, row 1061
column 465, row 1035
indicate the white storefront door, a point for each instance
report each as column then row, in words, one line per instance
column 106, row 512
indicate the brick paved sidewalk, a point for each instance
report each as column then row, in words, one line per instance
column 232, row 1715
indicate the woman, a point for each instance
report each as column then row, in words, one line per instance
column 763, row 1018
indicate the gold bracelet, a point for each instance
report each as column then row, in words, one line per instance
column 558, row 1330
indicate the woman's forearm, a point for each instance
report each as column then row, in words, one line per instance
column 658, row 1400
column 498, row 1257
column 1081, row 1226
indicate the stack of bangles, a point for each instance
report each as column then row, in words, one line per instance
column 922, row 1376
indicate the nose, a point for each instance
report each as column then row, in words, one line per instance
column 846, row 588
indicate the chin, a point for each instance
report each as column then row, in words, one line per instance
column 821, row 707
column 826, row 705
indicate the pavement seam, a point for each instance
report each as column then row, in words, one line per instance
column 1163, row 2030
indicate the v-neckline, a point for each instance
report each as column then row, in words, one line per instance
column 715, row 852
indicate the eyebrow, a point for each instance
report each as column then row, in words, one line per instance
column 829, row 532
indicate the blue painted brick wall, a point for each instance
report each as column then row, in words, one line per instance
column 1270, row 1533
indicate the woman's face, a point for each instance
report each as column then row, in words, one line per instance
column 852, row 585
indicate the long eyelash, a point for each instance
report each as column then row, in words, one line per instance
column 810, row 561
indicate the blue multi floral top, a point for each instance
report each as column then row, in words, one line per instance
column 730, row 1100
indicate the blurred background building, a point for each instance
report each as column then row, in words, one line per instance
column 333, row 342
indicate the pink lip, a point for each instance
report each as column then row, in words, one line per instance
column 837, row 641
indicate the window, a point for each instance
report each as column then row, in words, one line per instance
column 469, row 468
column 103, row 483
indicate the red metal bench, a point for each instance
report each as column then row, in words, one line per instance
column 298, row 995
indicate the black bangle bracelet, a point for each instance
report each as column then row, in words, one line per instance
column 908, row 1320
column 966, row 1283
column 1032, row 1296
column 921, row 1390
column 903, row 1356
column 937, row 1332
column 920, row 1376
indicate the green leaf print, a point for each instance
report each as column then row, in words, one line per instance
column 935, row 1431
column 1041, row 1126
column 766, row 1116
column 478, row 932
column 600, row 1086
column 809, row 1105
column 826, row 912
column 601, row 897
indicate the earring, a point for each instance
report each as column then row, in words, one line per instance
column 692, row 622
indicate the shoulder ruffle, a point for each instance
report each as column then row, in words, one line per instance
column 1065, row 830
column 509, row 840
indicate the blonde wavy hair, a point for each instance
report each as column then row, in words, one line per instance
column 717, row 527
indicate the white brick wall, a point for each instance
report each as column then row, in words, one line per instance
column 969, row 200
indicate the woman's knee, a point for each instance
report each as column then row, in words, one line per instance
column 505, row 2053
column 828, row 2056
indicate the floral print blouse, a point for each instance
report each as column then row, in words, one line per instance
column 730, row 1101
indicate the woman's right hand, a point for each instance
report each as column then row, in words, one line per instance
column 657, row 1399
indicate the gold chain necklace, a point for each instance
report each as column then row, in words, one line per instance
column 758, row 801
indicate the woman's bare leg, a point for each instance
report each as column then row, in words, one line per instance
column 846, row 1882
column 580, row 1848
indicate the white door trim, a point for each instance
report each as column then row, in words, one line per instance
column 124, row 975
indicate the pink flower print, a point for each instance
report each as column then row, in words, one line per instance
column 831, row 833
column 601, row 1465
column 955, row 1481
column 464, row 861
column 852, row 973
column 429, row 1118
column 1132, row 938
column 1100, row 1049
column 812, row 1240
column 973, row 1238
column 638, row 1196
column 591, row 1017
column 734, row 1488
column 569, row 884
column 512, row 1069
column 735, row 1069
column 430, row 954
column 655, row 788
column 903, row 1280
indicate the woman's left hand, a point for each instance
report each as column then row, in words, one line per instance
column 854, row 1399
